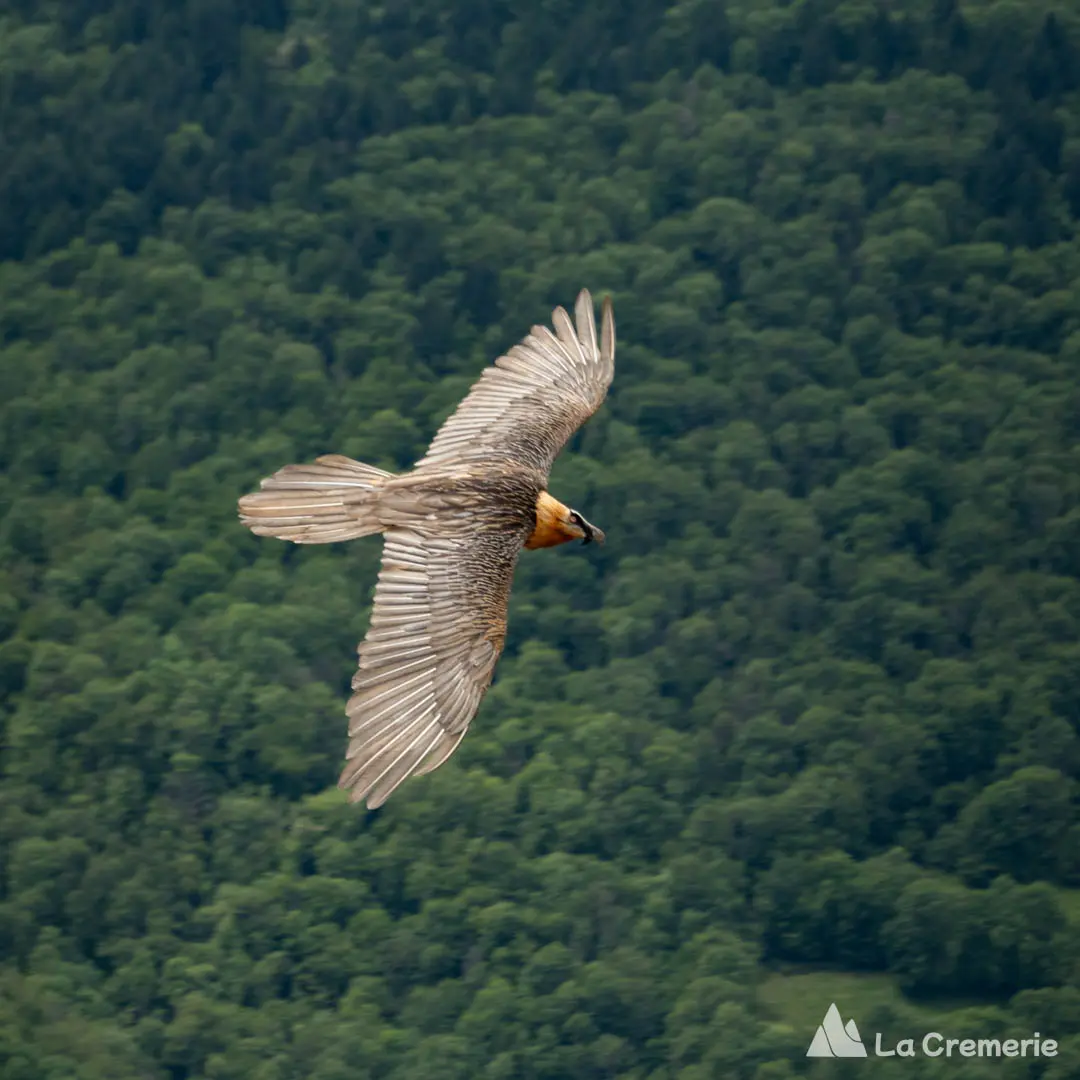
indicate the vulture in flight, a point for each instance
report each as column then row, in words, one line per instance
column 453, row 527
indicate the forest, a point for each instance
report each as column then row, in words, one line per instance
column 806, row 730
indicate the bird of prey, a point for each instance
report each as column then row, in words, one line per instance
column 453, row 528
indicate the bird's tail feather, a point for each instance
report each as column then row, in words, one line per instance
column 333, row 498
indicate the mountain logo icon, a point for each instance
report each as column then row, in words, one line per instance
column 836, row 1039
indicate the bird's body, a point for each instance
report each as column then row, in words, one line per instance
column 498, row 498
column 453, row 529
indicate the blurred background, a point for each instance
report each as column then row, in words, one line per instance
column 803, row 732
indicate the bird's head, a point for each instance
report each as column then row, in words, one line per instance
column 558, row 524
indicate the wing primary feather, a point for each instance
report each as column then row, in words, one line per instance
column 399, row 768
column 607, row 339
column 439, row 753
column 389, row 707
column 584, row 313
column 360, row 699
column 365, row 765
column 567, row 337
column 384, row 674
column 373, row 744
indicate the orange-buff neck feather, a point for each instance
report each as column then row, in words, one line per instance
column 551, row 523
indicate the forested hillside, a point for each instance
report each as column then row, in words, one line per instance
column 809, row 720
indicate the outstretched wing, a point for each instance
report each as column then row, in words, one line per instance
column 437, row 629
column 534, row 398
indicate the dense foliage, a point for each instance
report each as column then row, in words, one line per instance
column 817, row 702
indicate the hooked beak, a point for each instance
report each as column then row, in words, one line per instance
column 592, row 533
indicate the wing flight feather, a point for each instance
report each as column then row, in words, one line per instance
column 437, row 629
column 528, row 404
